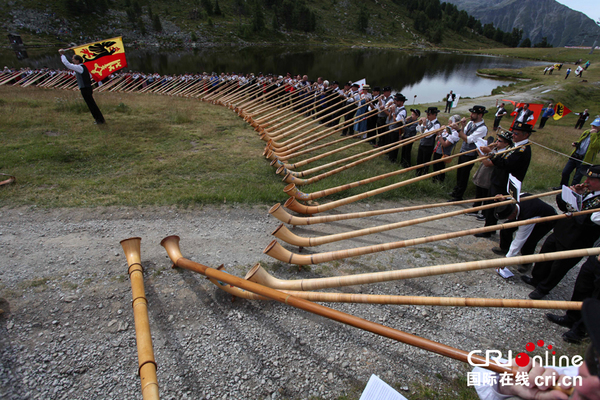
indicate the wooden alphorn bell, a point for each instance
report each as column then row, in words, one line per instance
column 171, row 244
column 275, row 250
column 146, row 362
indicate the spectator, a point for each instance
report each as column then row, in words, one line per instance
column 583, row 116
column 450, row 97
column 524, row 114
column 586, row 149
column 501, row 112
column 546, row 113
column 568, row 72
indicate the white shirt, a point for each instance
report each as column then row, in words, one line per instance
column 73, row 67
column 478, row 133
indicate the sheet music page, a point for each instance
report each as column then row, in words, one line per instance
column 514, row 187
column 572, row 198
column 377, row 389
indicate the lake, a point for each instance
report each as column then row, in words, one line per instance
column 427, row 75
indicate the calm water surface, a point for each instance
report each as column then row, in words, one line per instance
column 426, row 75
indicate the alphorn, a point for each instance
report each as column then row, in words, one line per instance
column 329, row 297
column 281, row 161
column 292, row 179
column 281, row 170
column 279, row 212
column 251, row 98
column 262, row 101
column 9, row 78
column 275, row 250
column 171, row 244
column 287, row 236
column 270, row 118
column 296, row 143
column 303, row 209
column 7, row 181
column 146, row 362
column 259, row 275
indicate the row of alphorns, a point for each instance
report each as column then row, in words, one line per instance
column 276, row 121
column 259, row 285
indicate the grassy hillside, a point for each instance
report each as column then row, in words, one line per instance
column 184, row 22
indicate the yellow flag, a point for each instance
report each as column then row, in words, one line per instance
column 103, row 58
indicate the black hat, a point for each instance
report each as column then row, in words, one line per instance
column 416, row 111
column 399, row 97
column 387, row 89
column 506, row 135
column 520, row 126
column 593, row 171
column 503, row 212
column 590, row 311
column 335, row 83
column 354, row 84
column 348, row 84
column 478, row 110
column 432, row 110
column 376, row 89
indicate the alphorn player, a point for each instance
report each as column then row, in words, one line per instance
column 537, row 382
column 514, row 162
column 569, row 234
column 469, row 133
column 84, row 81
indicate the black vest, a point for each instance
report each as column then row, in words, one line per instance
column 83, row 80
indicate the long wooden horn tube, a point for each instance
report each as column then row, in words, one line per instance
column 171, row 244
column 251, row 98
column 275, row 250
column 272, row 102
column 282, row 170
column 7, row 181
column 259, row 275
column 289, row 178
column 280, row 134
column 146, row 362
column 327, row 109
column 279, row 212
column 9, row 78
column 295, row 206
column 329, row 297
column 276, row 116
column 283, row 233
column 287, row 236
column 326, row 154
column 293, row 145
column 292, row 191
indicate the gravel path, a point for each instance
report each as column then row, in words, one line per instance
column 67, row 329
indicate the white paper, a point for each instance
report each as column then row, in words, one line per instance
column 514, row 187
column 377, row 389
column 571, row 198
column 455, row 102
column 480, row 143
column 504, row 272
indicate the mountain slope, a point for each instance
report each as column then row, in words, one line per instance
column 538, row 18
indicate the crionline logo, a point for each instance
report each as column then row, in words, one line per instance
column 522, row 359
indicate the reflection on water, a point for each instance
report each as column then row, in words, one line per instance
column 429, row 75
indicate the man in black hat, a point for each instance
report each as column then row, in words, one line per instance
column 584, row 380
column 384, row 101
column 469, row 133
column 396, row 115
column 579, row 232
column 427, row 143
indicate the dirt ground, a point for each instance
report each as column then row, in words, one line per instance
column 67, row 331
